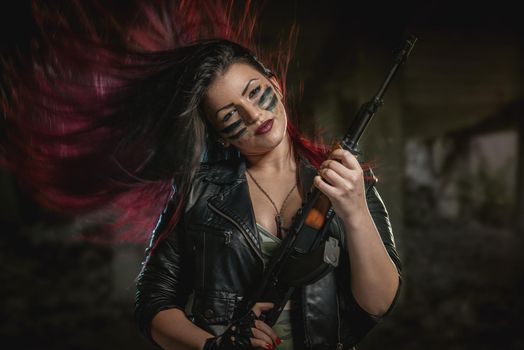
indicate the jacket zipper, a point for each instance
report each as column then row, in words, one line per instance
column 244, row 233
column 204, row 261
column 226, row 235
column 339, row 344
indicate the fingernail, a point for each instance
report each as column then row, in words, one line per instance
column 269, row 346
column 278, row 341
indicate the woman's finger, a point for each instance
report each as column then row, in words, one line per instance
column 333, row 178
column 266, row 329
column 324, row 187
column 258, row 308
column 347, row 159
column 335, row 165
column 260, row 344
column 258, row 334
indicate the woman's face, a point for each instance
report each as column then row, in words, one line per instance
column 246, row 109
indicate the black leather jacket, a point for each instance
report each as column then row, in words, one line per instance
column 213, row 260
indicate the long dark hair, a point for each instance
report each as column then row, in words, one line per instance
column 94, row 126
column 181, row 136
column 185, row 138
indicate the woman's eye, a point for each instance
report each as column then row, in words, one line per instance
column 227, row 116
column 254, row 92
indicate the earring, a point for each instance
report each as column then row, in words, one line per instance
column 222, row 142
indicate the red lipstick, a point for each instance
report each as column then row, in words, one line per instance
column 265, row 127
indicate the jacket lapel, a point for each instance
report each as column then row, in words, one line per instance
column 233, row 201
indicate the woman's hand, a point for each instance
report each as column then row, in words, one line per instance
column 263, row 335
column 345, row 184
column 246, row 331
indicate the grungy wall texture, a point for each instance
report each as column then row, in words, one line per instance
column 447, row 147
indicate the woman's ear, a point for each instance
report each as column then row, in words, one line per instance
column 276, row 85
column 223, row 142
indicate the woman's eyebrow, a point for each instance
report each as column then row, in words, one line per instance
column 247, row 86
column 243, row 93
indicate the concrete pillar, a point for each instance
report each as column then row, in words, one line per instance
column 520, row 178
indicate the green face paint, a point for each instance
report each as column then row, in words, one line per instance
column 232, row 127
column 264, row 96
column 238, row 134
column 268, row 94
column 272, row 104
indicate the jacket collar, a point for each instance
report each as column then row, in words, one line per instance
column 233, row 200
column 234, row 170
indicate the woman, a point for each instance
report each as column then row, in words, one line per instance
column 238, row 207
column 133, row 110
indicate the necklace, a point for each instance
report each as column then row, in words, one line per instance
column 278, row 216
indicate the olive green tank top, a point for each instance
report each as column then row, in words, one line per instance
column 283, row 325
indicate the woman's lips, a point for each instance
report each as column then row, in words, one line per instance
column 265, row 127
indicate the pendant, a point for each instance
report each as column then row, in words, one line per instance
column 278, row 220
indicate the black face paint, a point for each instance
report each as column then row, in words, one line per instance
column 231, row 127
column 265, row 95
column 238, row 134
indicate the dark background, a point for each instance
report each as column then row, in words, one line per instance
column 449, row 152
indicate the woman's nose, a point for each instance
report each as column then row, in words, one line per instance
column 250, row 114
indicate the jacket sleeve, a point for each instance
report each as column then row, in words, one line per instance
column 359, row 321
column 164, row 281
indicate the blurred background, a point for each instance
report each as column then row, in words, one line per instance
column 448, row 149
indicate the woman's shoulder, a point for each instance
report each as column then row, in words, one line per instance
column 223, row 171
column 211, row 177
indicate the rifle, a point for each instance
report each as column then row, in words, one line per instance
column 307, row 253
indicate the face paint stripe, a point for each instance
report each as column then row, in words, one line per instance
column 238, row 134
column 264, row 96
column 273, row 104
column 231, row 127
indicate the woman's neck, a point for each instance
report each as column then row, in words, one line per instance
column 279, row 160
